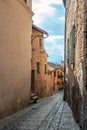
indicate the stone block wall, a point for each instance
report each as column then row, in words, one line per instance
column 42, row 81
column 75, row 72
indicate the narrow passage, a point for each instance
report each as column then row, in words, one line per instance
column 50, row 113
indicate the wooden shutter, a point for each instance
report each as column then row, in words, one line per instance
column 67, row 53
column 72, row 46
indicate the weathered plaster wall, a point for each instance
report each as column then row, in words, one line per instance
column 15, row 56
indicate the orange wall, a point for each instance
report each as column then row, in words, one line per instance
column 58, row 81
column 53, row 81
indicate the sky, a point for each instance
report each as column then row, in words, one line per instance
column 49, row 15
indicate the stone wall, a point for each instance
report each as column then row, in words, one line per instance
column 75, row 72
column 42, row 81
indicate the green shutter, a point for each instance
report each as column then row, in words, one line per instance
column 72, row 46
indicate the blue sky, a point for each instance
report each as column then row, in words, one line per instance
column 49, row 15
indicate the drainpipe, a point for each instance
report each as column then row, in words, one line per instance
column 65, row 91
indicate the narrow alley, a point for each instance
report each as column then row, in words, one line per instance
column 50, row 113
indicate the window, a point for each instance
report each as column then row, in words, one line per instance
column 54, row 73
column 58, row 73
column 58, row 83
column 72, row 46
column 45, row 68
column 40, row 41
column 38, row 67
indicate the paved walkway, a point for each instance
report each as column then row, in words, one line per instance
column 50, row 113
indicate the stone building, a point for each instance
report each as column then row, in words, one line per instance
column 41, row 81
column 75, row 90
column 57, row 76
column 15, row 55
column 51, row 70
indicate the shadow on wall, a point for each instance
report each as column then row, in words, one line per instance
column 73, row 95
column 44, row 90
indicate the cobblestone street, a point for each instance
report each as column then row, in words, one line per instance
column 50, row 113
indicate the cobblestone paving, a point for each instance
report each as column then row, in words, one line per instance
column 50, row 113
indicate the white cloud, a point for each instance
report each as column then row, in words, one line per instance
column 61, row 19
column 56, row 53
column 43, row 8
column 53, row 38
column 56, row 48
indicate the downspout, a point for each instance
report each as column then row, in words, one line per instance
column 65, row 91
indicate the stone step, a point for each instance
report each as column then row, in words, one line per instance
column 34, row 98
column 33, row 94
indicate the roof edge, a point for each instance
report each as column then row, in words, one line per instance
column 39, row 29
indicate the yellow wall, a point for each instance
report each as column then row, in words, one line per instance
column 15, row 56
column 42, row 80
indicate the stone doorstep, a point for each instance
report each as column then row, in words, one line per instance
column 33, row 94
column 35, row 98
